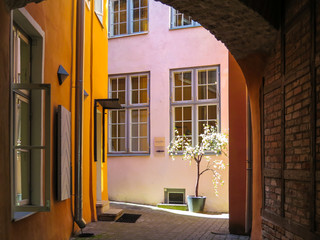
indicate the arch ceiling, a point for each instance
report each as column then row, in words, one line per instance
column 244, row 26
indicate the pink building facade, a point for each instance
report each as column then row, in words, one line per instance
column 145, row 63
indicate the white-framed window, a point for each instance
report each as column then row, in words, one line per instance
column 181, row 20
column 30, row 119
column 128, row 128
column 128, row 17
column 98, row 9
column 195, row 100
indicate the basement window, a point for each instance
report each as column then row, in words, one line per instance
column 174, row 195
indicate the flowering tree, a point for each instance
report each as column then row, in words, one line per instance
column 212, row 143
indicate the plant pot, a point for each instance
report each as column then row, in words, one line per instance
column 196, row 204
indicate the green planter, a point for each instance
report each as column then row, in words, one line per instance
column 196, row 204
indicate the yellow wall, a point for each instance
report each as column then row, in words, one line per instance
column 58, row 20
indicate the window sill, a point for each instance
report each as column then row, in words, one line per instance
column 17, row 216
column 128, row 35
column 127, row 154
column 183, row 27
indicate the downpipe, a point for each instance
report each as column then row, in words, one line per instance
column 79, row 113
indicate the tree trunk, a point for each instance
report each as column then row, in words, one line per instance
column 198, row 178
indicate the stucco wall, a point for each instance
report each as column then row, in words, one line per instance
column 58, row 21
column 143, row 179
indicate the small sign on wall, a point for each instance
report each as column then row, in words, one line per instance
column 159, row 144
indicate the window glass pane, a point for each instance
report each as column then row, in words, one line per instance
column 25, row 61
column 178, row 94
column 136, row 14
column 212, row 123
column 201, row 128
column 134, row 130
column 144, row 3
column 134, row 144
column 186, row 20
column 114, row 129
column 22, row 122
column 178, row 127
column 144, row 146
column 143, row 115
column 212, row 91
column 121, row 145
column 187, row 78
column 135, row 3
column 202, row 77
column 22, row 177
column 135, row 82
column 202, row 113
column 202, row 92
column 134, row 116
column 122, row 84
column 122, row 97
column 187, row 128
column 113, row 84
column 115, row 29
column 115, row 5
column 113, row 116
column 123, row 28
column 143, row 96
column 187, row 93
column 123, row 16
column 212, row 111
column 115, row 17
column 123, row 4
column 135, row 96
column 144, row 25
column 114, row 145
column 187, row 113
column 144, row 13
column 143, row 130
column 212, row 76
column 136, row 26
column 121, row 131
column 178, row 113
column 177, row 79
column 122, row 117
column 143, row 82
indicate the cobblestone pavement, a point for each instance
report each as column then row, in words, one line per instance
column 157, row 224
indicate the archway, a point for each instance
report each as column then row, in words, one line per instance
column 248, row 29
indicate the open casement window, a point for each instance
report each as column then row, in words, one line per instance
column 128, row 17
column 195, row 101
column 30, row 129
column 98, row 9
column 181, row 20
column 129, row 127
column 31, row 147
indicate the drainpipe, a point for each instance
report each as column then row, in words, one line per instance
column 78, row 113
column 249, row 171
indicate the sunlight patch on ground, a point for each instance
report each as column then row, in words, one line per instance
column 202, row 215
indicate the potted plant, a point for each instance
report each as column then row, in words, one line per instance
column 212, row 143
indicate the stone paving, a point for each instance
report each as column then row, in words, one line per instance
column 158, row 224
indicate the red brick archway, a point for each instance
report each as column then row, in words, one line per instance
column 248, row 29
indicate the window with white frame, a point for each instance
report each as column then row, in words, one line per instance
column 128, row 128
column 181, row 20
column 127, row 17
column 30, row 121
column 98, row 8
column 195, row 101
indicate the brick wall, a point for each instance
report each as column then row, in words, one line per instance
column 291, row 135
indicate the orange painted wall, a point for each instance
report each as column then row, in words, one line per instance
column 237, row 147
column 58, row 20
